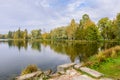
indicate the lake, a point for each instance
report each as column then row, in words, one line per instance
column 15, row 55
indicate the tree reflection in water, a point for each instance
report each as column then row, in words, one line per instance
column 75, row 50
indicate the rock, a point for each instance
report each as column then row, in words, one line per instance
column 65, row 66
column 61, row 72
column 77, row 66
column 72, row 72
column 50, row 79
column 28, row 76
column 91, row 72
column 63, row 77
column 48, row 72
column 82, row 77
column 55, row 75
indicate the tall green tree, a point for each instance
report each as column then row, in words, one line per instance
column 117, row 25
column 71, row 30
column 17, row 34
column 25, row 34
column 10, row 34
column 87, row 29
column 92, row 33
column 59, row 33
column 36, row 34
column 106, row 28
column 103, row 26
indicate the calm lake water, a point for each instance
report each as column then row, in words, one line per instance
column 16, row 55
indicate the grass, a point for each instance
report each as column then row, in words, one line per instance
column 106, row 62
column 29, row 69
column 111, row 68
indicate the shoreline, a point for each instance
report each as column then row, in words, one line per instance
column 70, row 71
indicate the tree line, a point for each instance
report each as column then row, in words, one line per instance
column 22, row 34
column 86, row 29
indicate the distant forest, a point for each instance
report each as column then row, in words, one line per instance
column 86, row 29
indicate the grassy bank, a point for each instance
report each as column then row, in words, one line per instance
column 111, row 68
column 107, row 62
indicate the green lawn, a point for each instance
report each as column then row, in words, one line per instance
column 111, row 68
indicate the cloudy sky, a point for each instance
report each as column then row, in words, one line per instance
column 48, row 14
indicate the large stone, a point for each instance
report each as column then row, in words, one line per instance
column 28, row 76
column 65, row 66
column 82, row 77
column 77, row 66
column 91, row 72
column 63, row 77
column 55, row 75
column 48, row 72
column 72, row 72
column 61, row 72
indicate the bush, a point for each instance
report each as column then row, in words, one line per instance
column 29, row 69
column 109, row 53
column 103, row 56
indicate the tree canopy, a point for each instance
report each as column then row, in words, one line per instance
column 86, row 29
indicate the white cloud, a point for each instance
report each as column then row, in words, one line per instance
column 49, row 14
column 43, row 3
column 72, row 6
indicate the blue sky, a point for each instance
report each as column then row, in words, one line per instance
column 49, row 14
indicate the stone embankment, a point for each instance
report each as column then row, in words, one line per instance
column 69, row 71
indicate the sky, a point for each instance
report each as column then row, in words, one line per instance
column 49, row 14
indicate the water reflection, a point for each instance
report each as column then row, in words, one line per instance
column 75, row 50
column 18, row 43
column 49, row 55
column 36, row 45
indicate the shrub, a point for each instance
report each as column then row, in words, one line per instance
column 102, row 56
column 29, row 69
column 109, row 53
column 114, row 53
